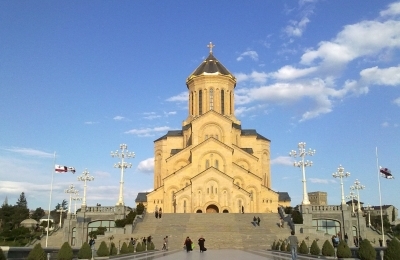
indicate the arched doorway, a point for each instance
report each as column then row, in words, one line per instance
column 212, row 209
column 199, row 211
column 225, row 211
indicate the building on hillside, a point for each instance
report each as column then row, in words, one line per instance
column 387, row 210
column 318, row 198
column 212, row 165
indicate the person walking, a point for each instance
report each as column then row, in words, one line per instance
column 293, row 245
column 258, row 220
column 159, row 213
column 254, row 220
column 156, row 211
column 201, row 244
column 242, row 210
column 188, row 244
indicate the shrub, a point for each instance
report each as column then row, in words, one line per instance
column 85, row 252
column 124, row 249
column 139, row 247
column 288, row 210
column 103, row 249
column 131, row 248
column 283, row 246
column 278, row 246
column 327, row 249
column 314, row 250
column 65, row 252
column 2, row 256
column 303, row 248
column 113, row 249
column 273, row 246
column 343, row 250
column 366, row 251
column 151, row 246
column 140, row 208
column 37, row 253
column 297, row 217
column 393, row 250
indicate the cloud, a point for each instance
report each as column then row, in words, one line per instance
column 385, row 124
column 90, row 123
column 30, row 152
column 148, row 131
column 290, row 73
column 321, row 181
column 118, row 118
column 296, row 28
column 393, row 9
column 282, row 160
column 171, row 113
column 182, row 97
column 146, row 166
column 151, row 115
column 258, row 77
column 388, row 76
column 252, row 54
column 397, row 101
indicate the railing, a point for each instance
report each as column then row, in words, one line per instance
column 100, row 209
column 326, row 208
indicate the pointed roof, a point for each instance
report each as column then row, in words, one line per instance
column 210, row 66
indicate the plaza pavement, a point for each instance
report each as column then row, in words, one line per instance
column 216, row 254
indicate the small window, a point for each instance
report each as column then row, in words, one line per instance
column 207, row 164
column 216, row 164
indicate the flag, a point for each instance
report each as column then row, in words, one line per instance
column 60, row 168
column 386, row 173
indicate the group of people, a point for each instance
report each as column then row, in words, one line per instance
column 158, row 212
column 256, row 220
column 188, row 244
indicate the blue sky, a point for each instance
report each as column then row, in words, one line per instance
column 80, row 78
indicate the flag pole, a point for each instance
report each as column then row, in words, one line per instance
column 51, row 191
column 380, row 197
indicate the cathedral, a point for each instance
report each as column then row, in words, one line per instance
column 212, row 165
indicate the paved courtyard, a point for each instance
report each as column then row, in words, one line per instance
column 230, row 254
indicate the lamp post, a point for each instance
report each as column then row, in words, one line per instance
column 85, row 177
column 352, row 196
column 71, row 190
column 341, row 174
column 357, row 186
column 368, row 208
column 122, row 165
column 302, row 153
column 61, row 210
column 76, row 199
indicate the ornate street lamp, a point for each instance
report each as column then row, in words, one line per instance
column 302, row 153
column 341, row 174
column 71, row 190
column 369, row 208
column 357, row 186
column 122, row 165
column 61, row 210
column 352, row 196
column 75, row 199
column 85, row 177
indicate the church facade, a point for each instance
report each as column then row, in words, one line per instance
column 212, row 165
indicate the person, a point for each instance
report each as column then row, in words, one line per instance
column 164, row 247
column 346, row 238
column 159, row 213
column 254, row 220
column 380, row 242
column 242, row 209
column 133, row 242
column 92, row 242
column 355, row 240
column 166, row 243
column 156, row 211
column 188, row 244
column 258, row 220
column 281, row 223
column 293, row 242
column 144, row 240
column 201, row 244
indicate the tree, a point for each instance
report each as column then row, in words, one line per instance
column 113, row 249
column 22, row 201
column 366, row 251
column 85, row 252
column 37, row 253
column 393, row 250
column 38, row 214
column 140, row 208
column 103, row 249
column 124, row 248
column 65, row 252
column 343, row 250
column 297, row 217
column 314, row 250
column 327, row 249
column 131, row 248
column 303, row 249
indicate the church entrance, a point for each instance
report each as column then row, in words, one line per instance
column 212, row 209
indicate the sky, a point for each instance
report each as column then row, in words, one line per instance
column 79, row 78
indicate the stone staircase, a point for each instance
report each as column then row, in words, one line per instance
column 220, row 230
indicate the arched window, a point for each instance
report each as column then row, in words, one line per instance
column 328, row 226
column 200, row 102
column 216, row 164
column 211, row 99
column 184, row 206
column 207, row 164
column 222, row 102
column 191, row 96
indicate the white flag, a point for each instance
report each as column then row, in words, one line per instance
column 60, row 168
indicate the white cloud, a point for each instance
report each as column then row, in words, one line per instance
column 397, row 101
column 171, row 113
column 181, row 97
column 148, row 131
column 388, row 76
column 258, row 77
column 289, row 73
column 393, row 9
column 252, row 54
column 385, row 124
column 30, row 152
column 320, row 181
column 282, row 160
column 118, row 118
column 296, row 28
column 90, row 123
column 146, row 166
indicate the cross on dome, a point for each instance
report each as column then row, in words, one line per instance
column 210, row 46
